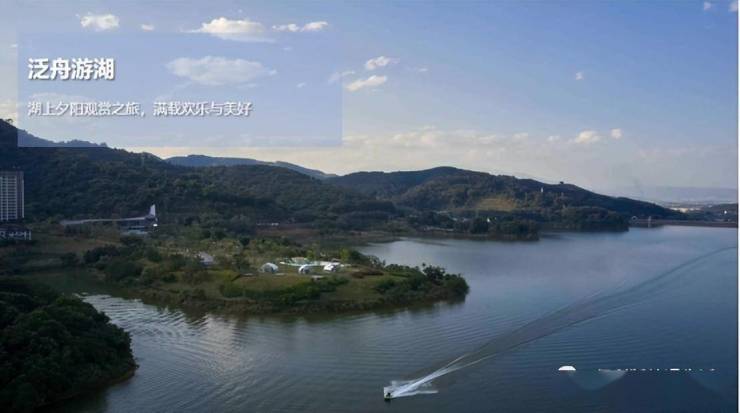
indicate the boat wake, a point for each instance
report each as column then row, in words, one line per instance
column 586, row 309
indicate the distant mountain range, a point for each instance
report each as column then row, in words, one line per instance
column 103, row 182
column 452, row 189
column 680, row 194
column 28, row 140
column 205, row 161
column 235, row 194
column 22, row 138
column 372, row 184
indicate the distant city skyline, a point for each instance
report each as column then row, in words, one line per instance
column 605, row 95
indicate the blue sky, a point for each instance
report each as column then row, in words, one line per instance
column 294, row 103
column 603, row 94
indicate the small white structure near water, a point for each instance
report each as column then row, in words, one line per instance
column 304, row 269
column 269, row 268
column 332, row 267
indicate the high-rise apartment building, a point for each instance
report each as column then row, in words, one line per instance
column 11, row 196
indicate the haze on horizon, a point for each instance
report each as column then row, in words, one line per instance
column 606, row 95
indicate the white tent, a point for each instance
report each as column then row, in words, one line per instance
column 333, row 267
column 269, row 268
column 304, row 269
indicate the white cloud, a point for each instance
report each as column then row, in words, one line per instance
column 14, row 46
column 287, row 28
column 380, row 61
column 99, row 22
column 428, row 137
column 419, row 69
column 553, row 138
column 432, row 137
column 8, row 110
column 706, row 6
column 592, row 136
column 216, row 71
column 579, row 75
column 301, row 85
column 308, row 27
column 315, row 26
column 244, row 30
column 370, row 82
column 587, row 136
column 337, row 76
column 147, row 27
column 733, row 7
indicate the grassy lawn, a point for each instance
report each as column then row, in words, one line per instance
column 57, row 244
column 49, row 245
column 52, row 245
column 271, row 282
column 358, row 289
column 497, row 203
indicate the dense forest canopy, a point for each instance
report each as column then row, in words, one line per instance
column 53, row 347
column 203, row 161
column 64, row 183
column 447, row 188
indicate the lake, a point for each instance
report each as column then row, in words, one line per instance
column 646, row 301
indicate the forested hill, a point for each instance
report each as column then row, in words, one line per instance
column 103, row 182
column 392, row 184
column 452, row 189
column 66, row 183
column 12, row 137
column 203, row 161
column 53, row 347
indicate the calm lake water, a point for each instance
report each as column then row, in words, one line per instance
column 646, row 299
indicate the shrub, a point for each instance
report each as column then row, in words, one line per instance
column 119, row 269
column 230, row 290
column 367, row 273
column 150, row 275
column 385, row 285
column 193, row 275
column 457, row 286
column 169, row 278
column 69, row 259
column 153, row 255
column 94, row 255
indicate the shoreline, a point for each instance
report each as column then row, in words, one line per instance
column 247, row 307
column 91, row 390
column 233, row 306
column 643, row 223
column 359, row 238
column 544, row 232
